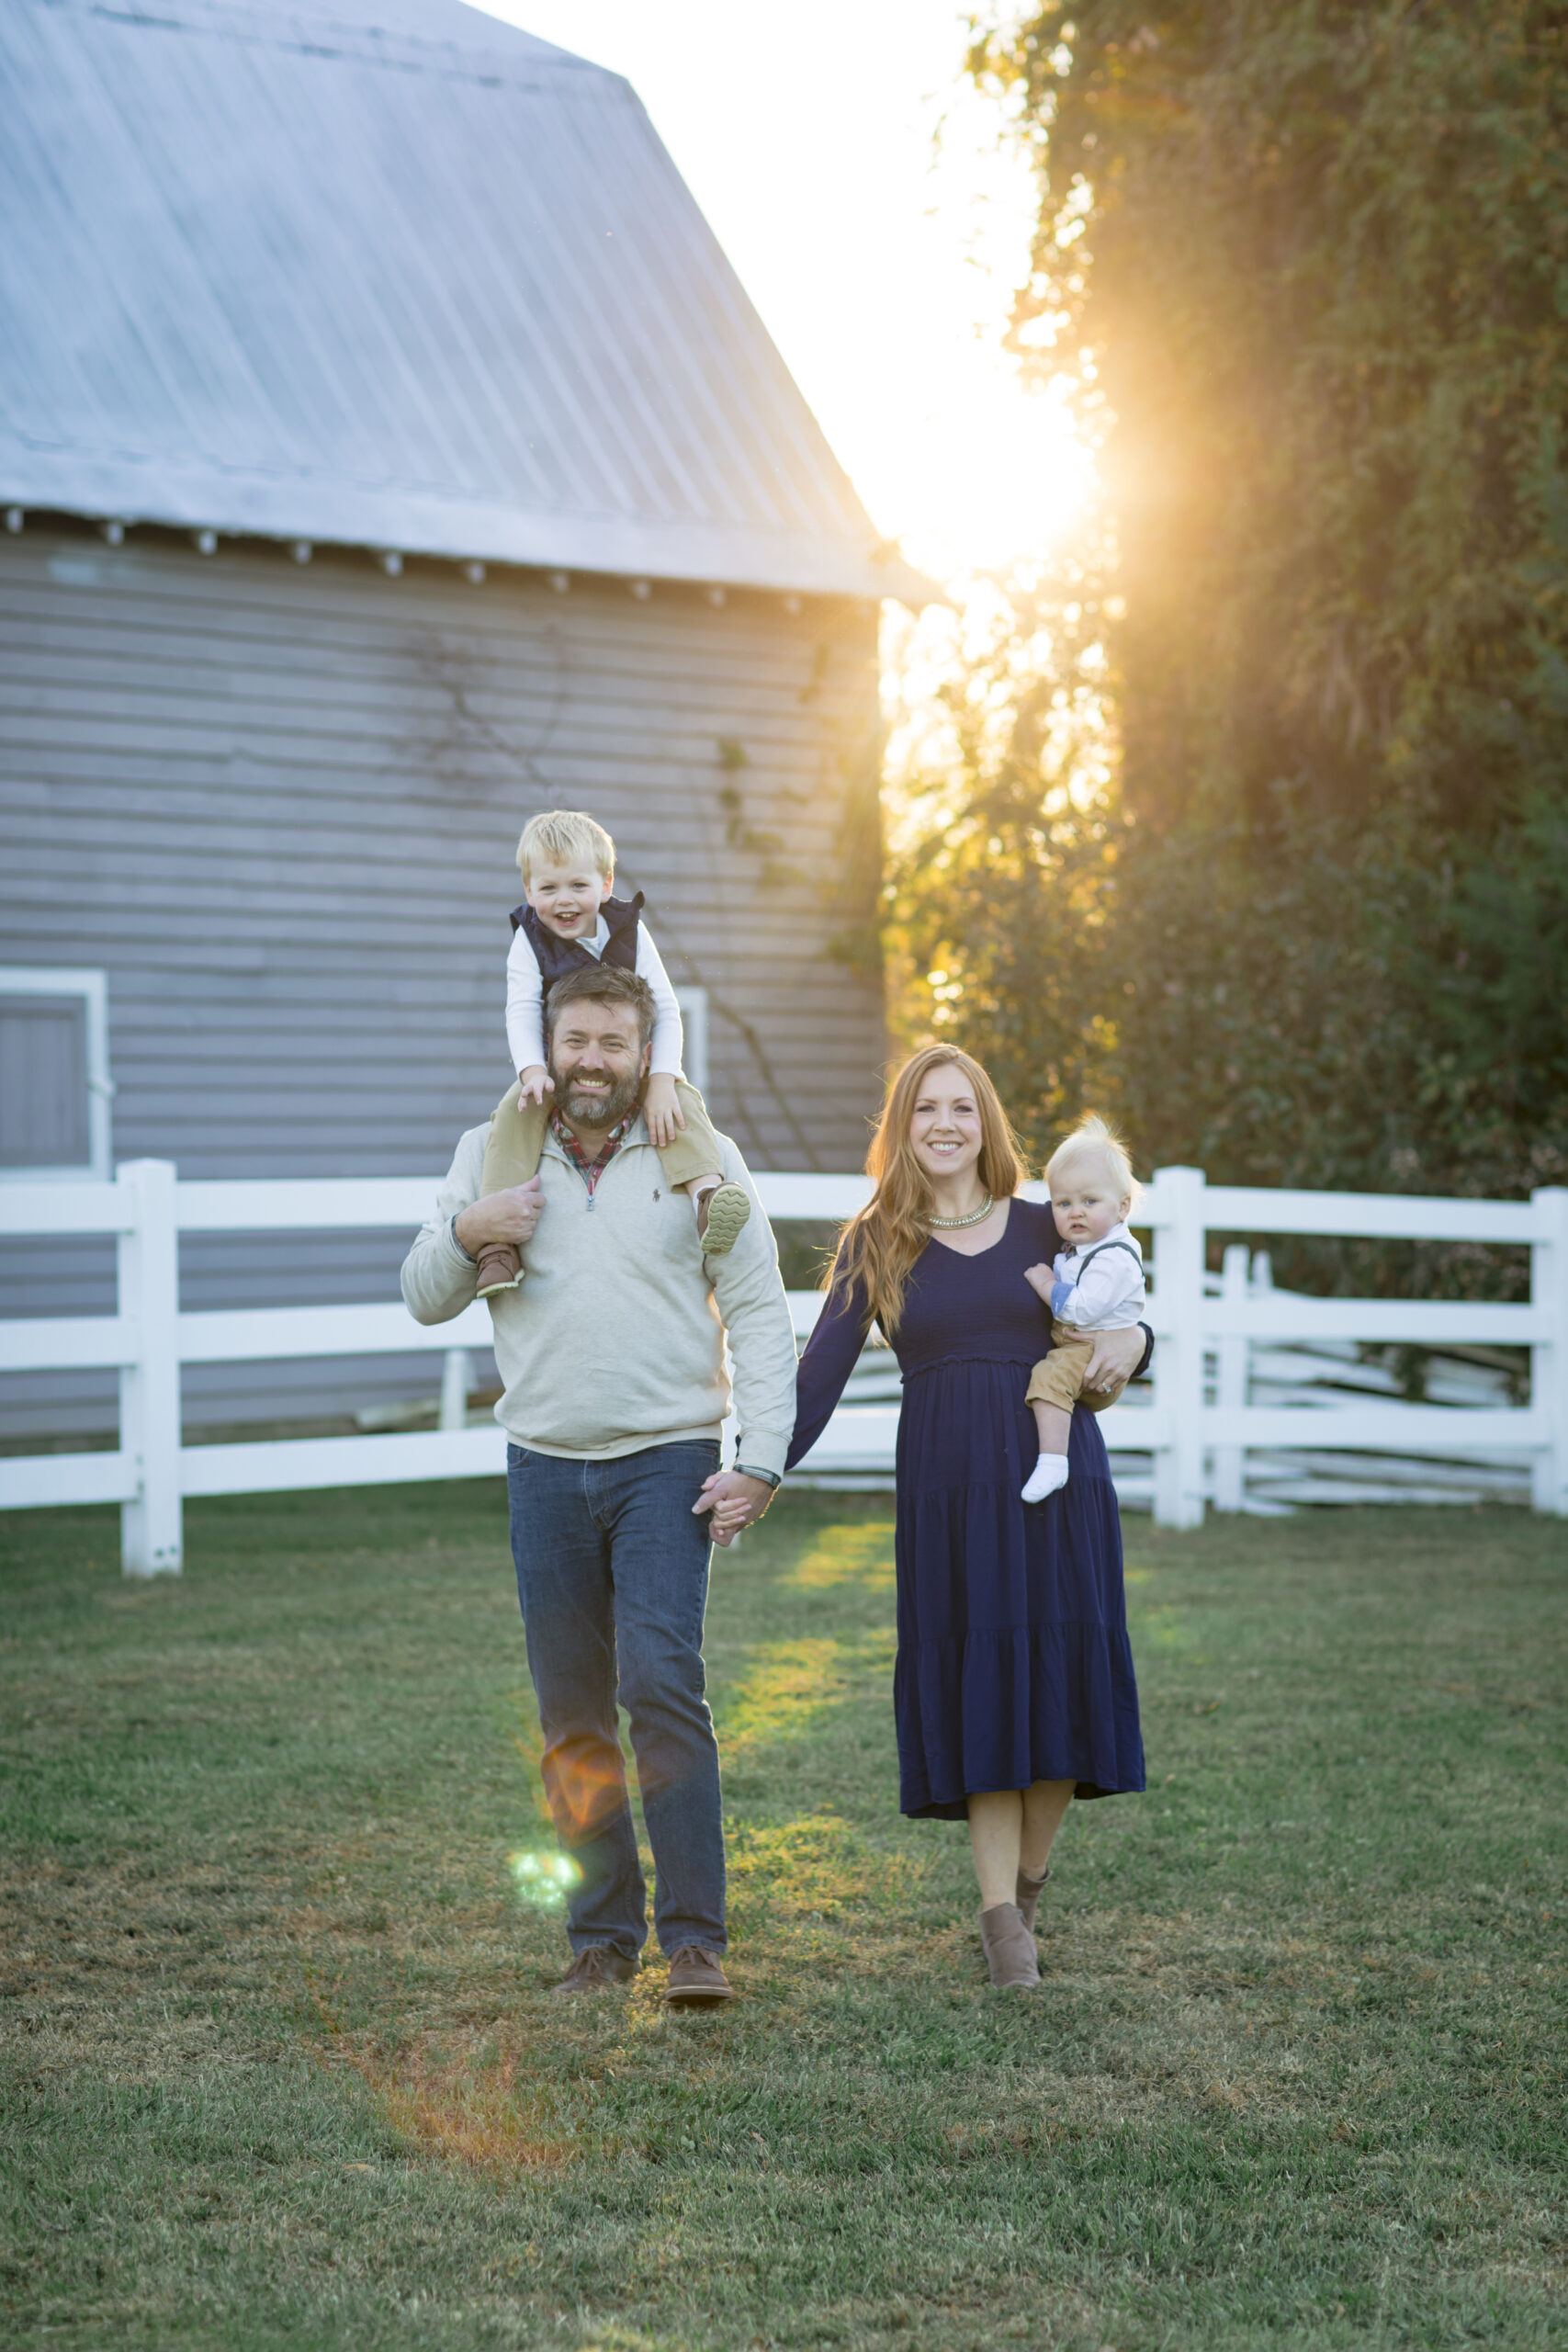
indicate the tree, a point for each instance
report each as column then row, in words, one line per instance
column 1312, row 256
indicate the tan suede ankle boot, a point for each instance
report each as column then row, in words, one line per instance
column 1010, row 1949
column 1030, row 1891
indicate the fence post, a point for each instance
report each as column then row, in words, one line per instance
column 1230, row 1385
column 1549, row 1358
column 1178, row 1357
column 454, row 1414
column 151, row 1527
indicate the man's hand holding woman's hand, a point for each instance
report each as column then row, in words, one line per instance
column 510, row 1215
column 735, row 1500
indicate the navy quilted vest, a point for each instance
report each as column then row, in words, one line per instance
column 558, row 956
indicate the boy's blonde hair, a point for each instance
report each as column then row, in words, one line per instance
column 562, row 837
column 1092, row 1139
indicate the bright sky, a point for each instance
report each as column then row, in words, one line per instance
column 884, row 275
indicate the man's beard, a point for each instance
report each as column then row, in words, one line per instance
column 597, row 1109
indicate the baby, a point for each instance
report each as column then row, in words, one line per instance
column 1096, row 1285
column 568, row 919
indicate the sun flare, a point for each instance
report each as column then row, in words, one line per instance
column 887, row 277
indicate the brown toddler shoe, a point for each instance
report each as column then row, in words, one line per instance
column 500, row 1268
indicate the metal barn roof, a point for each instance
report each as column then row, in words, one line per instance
column 388, row 273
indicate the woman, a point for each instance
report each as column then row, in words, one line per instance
column 1013, row 1690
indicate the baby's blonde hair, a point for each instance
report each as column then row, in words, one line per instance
column 1092, row 1139
column 561, row 837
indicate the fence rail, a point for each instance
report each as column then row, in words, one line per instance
column 1198, row 1428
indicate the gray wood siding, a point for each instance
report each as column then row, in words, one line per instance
column 278, row 804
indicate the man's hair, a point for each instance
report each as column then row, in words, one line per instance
column 611, row 985
column 565, row 837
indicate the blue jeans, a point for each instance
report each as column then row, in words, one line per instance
column 613, row 1577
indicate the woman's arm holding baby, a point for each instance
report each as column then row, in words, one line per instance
column 1117, row 1355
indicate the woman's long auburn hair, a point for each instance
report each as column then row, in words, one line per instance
column 878, row 1249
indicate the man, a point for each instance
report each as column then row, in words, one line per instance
column 612, row 1356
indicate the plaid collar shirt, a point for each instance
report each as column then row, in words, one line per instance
column 590, row 1169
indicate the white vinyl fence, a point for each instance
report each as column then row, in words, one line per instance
column 1206, row 1424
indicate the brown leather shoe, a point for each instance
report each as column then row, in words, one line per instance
column 697, row 1980
column 595, row 1969
column 500, row 1268
column 1030, row 1891
column 1009, row 1950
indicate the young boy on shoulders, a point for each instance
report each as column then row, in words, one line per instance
column 569, row 918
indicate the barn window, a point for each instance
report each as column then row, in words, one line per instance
column 54, row 1074
column 694, row 1004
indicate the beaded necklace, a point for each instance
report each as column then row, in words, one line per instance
column 956, row 1224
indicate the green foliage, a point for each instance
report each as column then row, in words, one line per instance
column 1312, row 261
column 1323, row 274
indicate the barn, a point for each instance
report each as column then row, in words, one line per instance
column 386, row 451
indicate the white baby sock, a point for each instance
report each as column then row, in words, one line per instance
column 1049, row 1473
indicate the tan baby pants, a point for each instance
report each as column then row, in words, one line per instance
column 1057, row 1379
column 518, row 1136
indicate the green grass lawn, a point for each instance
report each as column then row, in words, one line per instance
column 280, row 2070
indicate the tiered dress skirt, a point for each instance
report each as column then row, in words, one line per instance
column 1014, row 1659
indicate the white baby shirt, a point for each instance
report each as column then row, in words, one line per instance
column 1100, row 1287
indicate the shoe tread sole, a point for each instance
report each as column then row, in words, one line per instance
column 729, row 1212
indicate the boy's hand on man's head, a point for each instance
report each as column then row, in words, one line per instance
column 661, row 1110
column 533, row 1083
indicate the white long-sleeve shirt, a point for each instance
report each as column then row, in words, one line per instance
column 526, row 1001
column 1099, row 1287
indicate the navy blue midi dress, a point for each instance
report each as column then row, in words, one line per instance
column 1013, row 1660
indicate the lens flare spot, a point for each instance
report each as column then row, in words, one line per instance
column 543, row 1881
